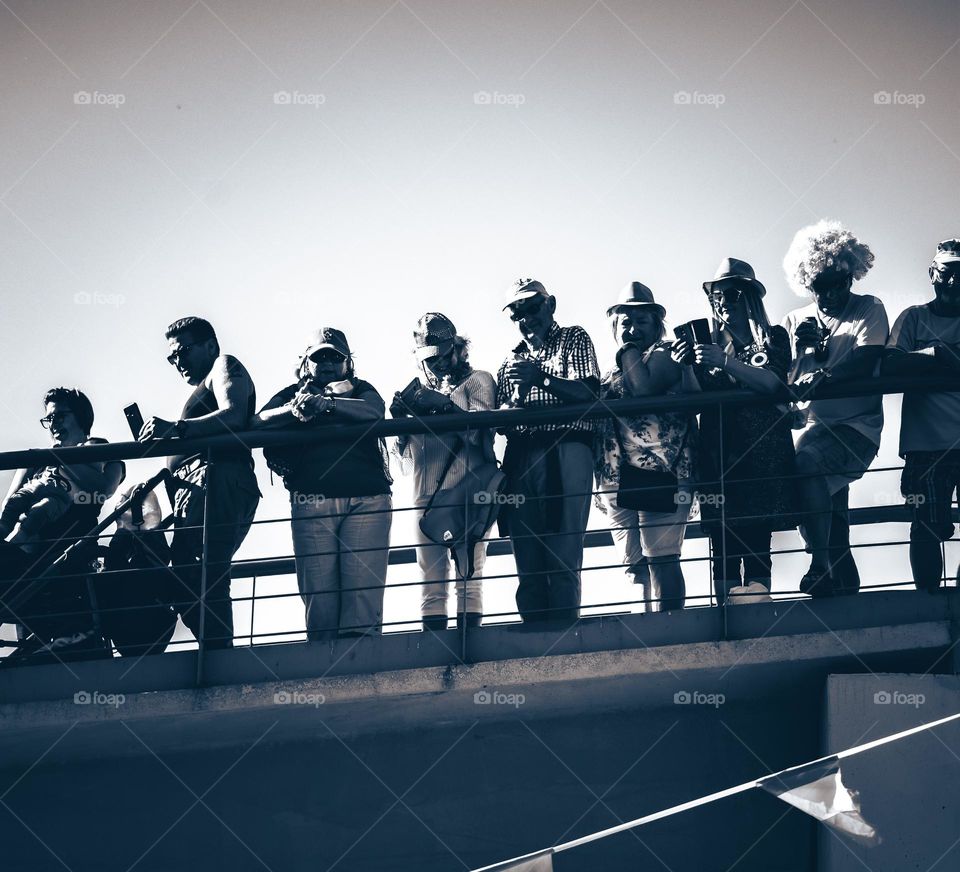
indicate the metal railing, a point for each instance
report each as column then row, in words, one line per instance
column 63, row 571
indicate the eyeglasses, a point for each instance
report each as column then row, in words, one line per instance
column 173, row 358
column 327, row 355
column 729, row 296
column 47, row 421
column 526, row 309
column 948, row 274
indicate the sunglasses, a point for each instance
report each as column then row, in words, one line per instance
column 730, row 296
column 327, row 355
column 948, row 274
column 526, row 309
column 173, row 358
column 47, row 421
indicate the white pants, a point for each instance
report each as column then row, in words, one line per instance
column 434, row 562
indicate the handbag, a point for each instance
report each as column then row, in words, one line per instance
column 458, row 517
column 648, row 490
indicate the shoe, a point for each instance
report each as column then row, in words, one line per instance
column 472, row 620
column 817, row 583
column 745, row 595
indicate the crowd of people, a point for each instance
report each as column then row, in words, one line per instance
column 751, row 468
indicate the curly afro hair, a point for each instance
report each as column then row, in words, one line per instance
column 826, row 245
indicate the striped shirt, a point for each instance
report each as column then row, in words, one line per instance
column 566, row 353
column 431, row 452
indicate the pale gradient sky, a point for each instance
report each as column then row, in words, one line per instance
column 399, row 193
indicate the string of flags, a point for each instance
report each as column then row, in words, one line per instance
column 815, row 787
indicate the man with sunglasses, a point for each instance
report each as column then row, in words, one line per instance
column 549, row 467
column 926, row 341
column 839, row 336
column 222, row 402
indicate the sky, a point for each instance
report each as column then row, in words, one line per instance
column 278, row 166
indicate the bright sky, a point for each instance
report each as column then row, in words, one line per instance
column 275, row 166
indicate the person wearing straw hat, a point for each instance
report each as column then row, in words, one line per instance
column 746, row 459
column 549, row 467
column 837, row 337
column 340, row 499
column 451, row 385
column 648, row 542
column 925, row 341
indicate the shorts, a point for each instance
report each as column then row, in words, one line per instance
column 928, row 482
column 842, row 453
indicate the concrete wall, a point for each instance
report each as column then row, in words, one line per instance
column 909, row 790
column 445, row 798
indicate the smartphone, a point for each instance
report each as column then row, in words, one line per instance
column 134, row 419
column 695, row 332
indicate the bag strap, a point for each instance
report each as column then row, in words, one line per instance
column 446, row 469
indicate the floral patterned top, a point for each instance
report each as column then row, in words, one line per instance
column 651, row 440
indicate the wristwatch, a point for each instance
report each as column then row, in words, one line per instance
column 331, row 406
column 545, row 381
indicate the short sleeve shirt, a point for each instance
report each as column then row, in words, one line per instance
column 928, row 421
column 862, row 322
column 567, row 353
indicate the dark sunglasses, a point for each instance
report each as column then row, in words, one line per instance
column 173, row 358
column 327, row 355
column 47, row 421
column 526, row 309
column 727, row 295
column 947, row 274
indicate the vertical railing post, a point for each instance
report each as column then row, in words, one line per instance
column 462, row 584
column 204, row 569
column 253, row 606
column 723, row 523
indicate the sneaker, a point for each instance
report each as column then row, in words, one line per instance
column 745, row 595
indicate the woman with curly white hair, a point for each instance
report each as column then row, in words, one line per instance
column 837, row 337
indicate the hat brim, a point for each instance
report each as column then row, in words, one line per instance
column 758, row 286
column 618, row 308
column 425, row 352
column 519, row 298
column 313, row 349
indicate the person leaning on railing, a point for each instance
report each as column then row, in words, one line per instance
column 549, row 467
column 746, row 462
column 339, row 490
column 925, row 341
column 657, row 442
column 443, row 460
column 223, row 401
column 57, row 619
column 838, row 336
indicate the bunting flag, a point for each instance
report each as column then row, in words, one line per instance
column 818, row 790
column 541, row 861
